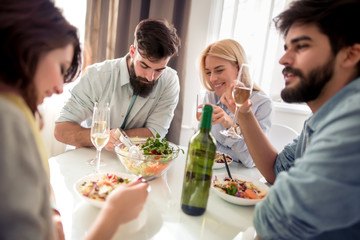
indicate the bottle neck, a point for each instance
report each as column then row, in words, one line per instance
column 205, row 122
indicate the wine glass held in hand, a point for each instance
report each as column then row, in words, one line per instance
column 100, row 131
column 241, row 93
column 200, row 101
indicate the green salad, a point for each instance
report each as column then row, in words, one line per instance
column 157, row 146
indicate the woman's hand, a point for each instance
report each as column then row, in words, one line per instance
column 127, row 201
column 220, row 116
column 58, row 226
column 227, row 98
column 122, row 205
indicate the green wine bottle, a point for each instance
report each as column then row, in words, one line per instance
column 198, row 169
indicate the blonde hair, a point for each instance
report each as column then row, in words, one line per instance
column 227, row 49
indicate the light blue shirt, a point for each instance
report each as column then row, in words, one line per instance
column 236, row 148
column 109, row 82
column 316, row 194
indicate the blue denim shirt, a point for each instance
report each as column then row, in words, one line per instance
column 236, row 148
column 316, row 194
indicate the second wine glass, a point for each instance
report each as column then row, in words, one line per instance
column 100, row 131
column 241, row 93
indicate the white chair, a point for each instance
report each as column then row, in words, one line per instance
column 280, row 135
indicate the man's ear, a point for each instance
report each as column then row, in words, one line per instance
column 352, row 55
column 132, row 51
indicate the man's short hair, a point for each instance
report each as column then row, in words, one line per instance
column 156, row 39
column 335, row 18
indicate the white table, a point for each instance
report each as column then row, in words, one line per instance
column 164, row 217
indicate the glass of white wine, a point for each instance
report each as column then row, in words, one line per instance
column 200, row 100
column 100, row 131
column 241, row 93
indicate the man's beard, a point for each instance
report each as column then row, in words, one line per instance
column 141, row 86
column 309, row 88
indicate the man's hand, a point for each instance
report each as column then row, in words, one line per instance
column 113, row 138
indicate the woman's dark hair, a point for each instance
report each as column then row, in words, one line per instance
column 156, row 39
column 336, row 19
column 29, row 30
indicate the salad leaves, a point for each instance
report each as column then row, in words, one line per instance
column 157, row 146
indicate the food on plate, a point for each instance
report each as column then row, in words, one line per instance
column 220, row 159
column 99, row 189
column 239, row 188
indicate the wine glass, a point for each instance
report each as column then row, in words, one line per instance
column 100, row 131
column 200, row 100
column 241, row 93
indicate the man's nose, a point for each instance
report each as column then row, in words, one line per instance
column 286, row 59
column 150, row 75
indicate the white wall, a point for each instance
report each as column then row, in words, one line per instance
column 197, row 37
column 291, row 115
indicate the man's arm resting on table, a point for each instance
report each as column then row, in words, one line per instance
column 260, row 149
column 72, row 134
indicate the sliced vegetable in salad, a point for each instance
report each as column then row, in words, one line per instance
column 101, row 188
column 157, row 146
column 239, row 188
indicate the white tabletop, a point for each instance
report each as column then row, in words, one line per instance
column 163, row 217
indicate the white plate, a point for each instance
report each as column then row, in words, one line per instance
column 94, row 177
column 220, row 165
column 237, row 200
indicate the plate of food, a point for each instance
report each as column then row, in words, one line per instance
column 95, row 188
column 242, row 190
column 219, row 160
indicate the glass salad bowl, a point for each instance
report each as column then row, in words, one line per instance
column 150, row 163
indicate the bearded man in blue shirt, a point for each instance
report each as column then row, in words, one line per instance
column 316, row 178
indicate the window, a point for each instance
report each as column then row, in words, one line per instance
column 74, row 12
column 250, row 23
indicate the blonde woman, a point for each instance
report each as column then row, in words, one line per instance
column 219, row 66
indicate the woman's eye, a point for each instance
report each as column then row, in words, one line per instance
column 208, row 73
column 62, row 70
column 220, row 70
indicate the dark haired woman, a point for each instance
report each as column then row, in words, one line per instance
column 39, row 51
